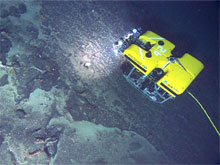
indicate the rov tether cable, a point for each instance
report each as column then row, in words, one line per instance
column 204, row 112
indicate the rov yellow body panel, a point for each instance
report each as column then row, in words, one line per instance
column 139, row 60
column 176, row 79
column 178, row 74
column 193, row 66
column 153, row 38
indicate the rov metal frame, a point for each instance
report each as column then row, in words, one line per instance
column 158, row 95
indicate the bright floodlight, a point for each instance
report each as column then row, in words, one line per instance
column 120, row 43
column 116, row 51
column 134, row 30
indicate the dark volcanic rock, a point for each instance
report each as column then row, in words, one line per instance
column 22, row 8
column 32, row 31
column 6, row 126
column 62, row 84
column 51, row 148
column 15, row 61
column 1, row 139
column 46, row 31
column 4, row 13
column 3, row 59
column 99, row 161
column 20, row 113
column 53, row 135
column 23, row 92
column 43, row 64
column 25, row 81
column 45, row 23
column 26, row 76
column 4, row 80
column 134, row 146
column 14, row 11
column 5, row 44
column 49, row 79
column 4, row 28
column 29, row 79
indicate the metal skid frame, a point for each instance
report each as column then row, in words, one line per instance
column 158, row 95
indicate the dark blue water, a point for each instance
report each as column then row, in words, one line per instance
column 194, row 28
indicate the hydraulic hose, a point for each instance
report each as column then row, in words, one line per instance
column 217, row 131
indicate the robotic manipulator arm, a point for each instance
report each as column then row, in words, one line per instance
column 126, row 40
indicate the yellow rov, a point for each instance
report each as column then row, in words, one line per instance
column 152, row 69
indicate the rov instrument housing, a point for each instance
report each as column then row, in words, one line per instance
column 152, row 69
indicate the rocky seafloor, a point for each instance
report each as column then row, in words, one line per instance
column 56, row 109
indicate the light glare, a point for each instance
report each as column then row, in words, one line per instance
column 134, row 30
column 120, row 43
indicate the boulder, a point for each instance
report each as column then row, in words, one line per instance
column 4, row 80
column 5, row 44
column 4, row 13
column 22, row 8
column 14, row 11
